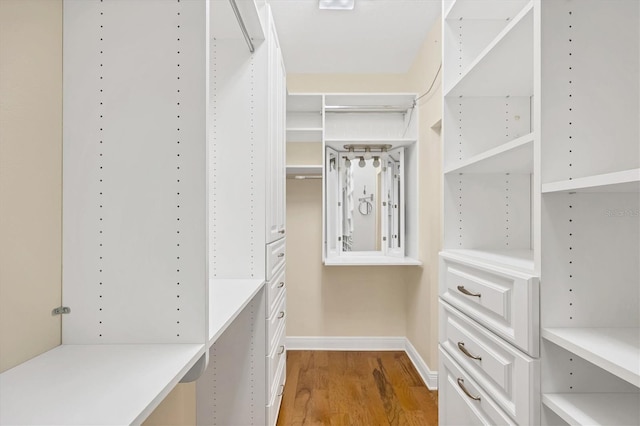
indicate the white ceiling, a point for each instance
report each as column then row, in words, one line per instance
column 377, row 36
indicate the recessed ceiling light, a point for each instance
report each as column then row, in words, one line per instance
column 337, row 4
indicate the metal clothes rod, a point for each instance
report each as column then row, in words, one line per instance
column 243, row 28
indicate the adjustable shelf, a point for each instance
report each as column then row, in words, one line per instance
column 372, row 260
column 512, row 157
column 595, row 408
column 227, row 298
column 616, row 350
column 94, row 384
column 624, row 181
column 505, row 66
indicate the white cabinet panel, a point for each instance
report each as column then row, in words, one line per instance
column 504, row 302
column 275, row 257
column 461, row 401
column 511, row 377
column 275, row 287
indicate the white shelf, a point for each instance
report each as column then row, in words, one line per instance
column 306, row 134
column 304, row 129
column 227, row 298
column 304, row 170
column 515, row 156
column 484, row 9
column 505, row 66
column 511, row 260
column 595, row 408
column 93, row 384
column 372, row 261
column 616, row 350
column 624, row 181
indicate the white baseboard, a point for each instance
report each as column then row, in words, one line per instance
column 361, row 343
column 340, row 343
column 429, row 377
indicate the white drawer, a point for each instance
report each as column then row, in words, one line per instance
column 461, row 401
column 504, row 301
column 275, row 257
column 276, row 320
column 275, row 394
column 276, row 354
column 275, row 288
column 511, row 377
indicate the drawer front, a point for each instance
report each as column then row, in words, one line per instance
column 275, row 257
column 511, row 377
column 275, row 288
column 276, row 320
column 276, row 354
column 461, row 401
column 277, row 388
column 507, row 304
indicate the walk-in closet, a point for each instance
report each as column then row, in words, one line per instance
column 320, row 212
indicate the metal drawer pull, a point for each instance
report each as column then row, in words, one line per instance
column 463, row 290
column 281, row 390
column 281, row 315
column 461, row 384
column 281, row 284
column 280, row 254
column 281, row 231
column 281, row 351
column 467, row 353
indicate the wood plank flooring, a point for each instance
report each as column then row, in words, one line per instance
column 355, row 388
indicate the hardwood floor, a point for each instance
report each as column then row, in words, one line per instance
column 355, row 388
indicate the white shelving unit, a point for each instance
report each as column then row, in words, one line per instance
column 515, row 156
column 489, row 268
column 623, row 181
column 371, row 119
column 81, row 384
column 142, row 161
column 524, row 97
column 615, row 350
column 595, row 408
column 504, row 67
column 227, row 298
column 305, row 120
column 590, row 185
column 247, row 127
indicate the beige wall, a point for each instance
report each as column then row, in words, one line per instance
column 422, row 289
column 368, row 301
column 336, row 300
column 31, row 191
column 304, row 153
column 30, row 177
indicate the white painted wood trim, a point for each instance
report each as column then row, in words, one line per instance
column 362, row 343
column 346, row 343
column 429, row 377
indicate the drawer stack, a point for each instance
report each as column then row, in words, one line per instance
column 489, row 342
column 276, row 299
